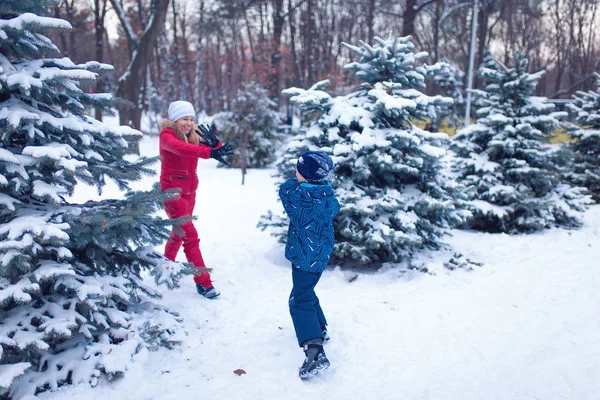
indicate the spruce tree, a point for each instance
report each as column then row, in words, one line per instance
column 586, row 140
column 388, row 175
column 73, row 304
column 505, row 161
column 449, row 80
column 253, row 126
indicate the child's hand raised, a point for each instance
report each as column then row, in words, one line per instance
column 210, row 138
column 221, row 152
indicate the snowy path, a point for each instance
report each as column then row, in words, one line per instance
column 525, row 326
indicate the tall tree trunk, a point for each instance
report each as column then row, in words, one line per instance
column 218, row 90
column 295, row 61
column 510, row 49
column 482, row 30
column 278, row 19
column 408, row 18
column 130, row 84
column 99, row 14
column 70, row 17
column 559, row 45
column 63, row 35
column 370, row 20
column 244, row 140
column 175, row 53
column 250, row 38
column 200, row 97
column 437, row 28
column 309, row 43
column 111, row 58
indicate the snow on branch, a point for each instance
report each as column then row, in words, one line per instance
column 122, row 15
column 29, row 21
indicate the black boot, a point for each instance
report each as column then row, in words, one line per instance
column 315, row 361
column 209, row 293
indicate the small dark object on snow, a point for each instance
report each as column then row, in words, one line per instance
column 239, row 372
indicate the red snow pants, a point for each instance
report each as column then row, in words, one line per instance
column 187, row 235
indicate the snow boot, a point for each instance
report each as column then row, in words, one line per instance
column 315, row 361
column 209, row 293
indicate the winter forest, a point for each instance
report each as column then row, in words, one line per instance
column 465, row 137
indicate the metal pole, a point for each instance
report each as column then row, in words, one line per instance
column 471, row 61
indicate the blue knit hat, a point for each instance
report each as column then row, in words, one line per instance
column 315, row 166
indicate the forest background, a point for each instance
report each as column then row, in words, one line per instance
column 204, row 51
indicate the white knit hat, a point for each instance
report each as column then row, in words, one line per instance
column 180, row 109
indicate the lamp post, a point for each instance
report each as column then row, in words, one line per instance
column 471, row 61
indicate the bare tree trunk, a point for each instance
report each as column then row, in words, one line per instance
column 295, row 61
column 572, row 41
column 408, row 19
column 219, row 89
column 188, row 71
column 175, row 52
column 309, row 42
column 250, row 38
column 72, row 52
column 559, row 45
column 278, row 19
column 482, row 30
column 510, row 49
column 410, row 15
column 99, row 14
column 244, row 154
column 63, row 35
column 130, row 84
column 109, row 49
column 261, row 32
column 436, row 29
column 370, row 20
column 199, row 65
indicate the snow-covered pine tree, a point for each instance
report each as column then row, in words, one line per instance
column 505, row 161
column 73, row 305
column 253, row 126
column 449, row 80
column 388, row 171
column 586, row 140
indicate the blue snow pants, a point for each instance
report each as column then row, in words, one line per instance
column 307, row 315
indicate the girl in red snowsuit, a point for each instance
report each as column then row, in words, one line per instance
column 180, row 149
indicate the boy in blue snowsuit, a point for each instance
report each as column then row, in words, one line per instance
column 310, row 203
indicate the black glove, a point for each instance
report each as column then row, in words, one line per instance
column 206, row 133
column 221, row 152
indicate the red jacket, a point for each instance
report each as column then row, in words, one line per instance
column 179, row 162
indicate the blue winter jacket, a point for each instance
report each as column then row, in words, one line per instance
column 311, row 209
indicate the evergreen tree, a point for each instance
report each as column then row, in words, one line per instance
column 586, row 141
column 73, row 305
column 505, row 161
column 253, row 126
column 389, row 179
column 450, row 82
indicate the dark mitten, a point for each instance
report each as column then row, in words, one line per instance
column 210, row 138
column 221, row 152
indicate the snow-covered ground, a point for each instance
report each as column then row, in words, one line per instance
column 524, row 326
